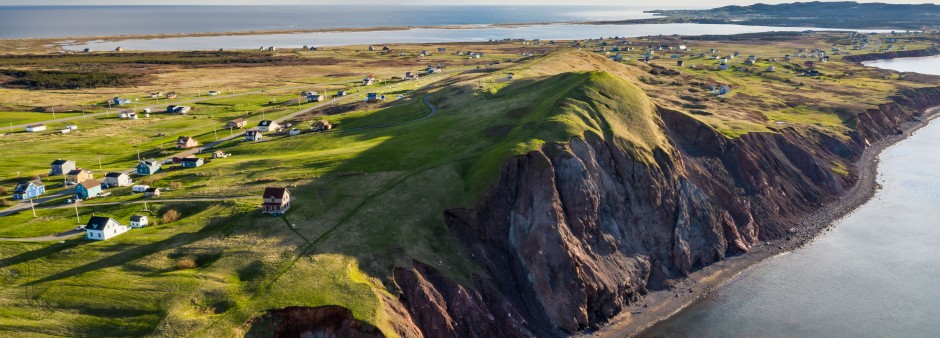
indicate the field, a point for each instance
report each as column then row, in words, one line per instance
column 369, row 195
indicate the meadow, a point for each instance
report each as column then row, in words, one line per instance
column 367, row 200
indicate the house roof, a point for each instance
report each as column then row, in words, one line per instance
column 114, row 174
column 265, row 123
column 76, row 171
column 149, row 163
column 184, row 139
column 238, row 120
column 35, row 125
column 61, row 162
column 25, row 185
column 88, row 184
column 152, row 189
column 190, row 159
column 251, row 132
column 137, row 218
column 98, row 223
column 274, row 192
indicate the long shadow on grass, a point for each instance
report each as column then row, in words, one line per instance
column 39, row 253
column 215, row 226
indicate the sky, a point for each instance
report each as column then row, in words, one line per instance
column 657, row 3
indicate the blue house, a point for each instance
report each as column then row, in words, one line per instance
column 87, row 189
column 191, row 162
column 121, row 101
column 148, row 167
column 28, row 190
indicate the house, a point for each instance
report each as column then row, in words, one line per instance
column 220, row 154
column 267, row 126
column 148, row 167
column 321, row 125
column 368, row 80
column 617, row 57
column 294, row 132
column 120, row 101
column 680, row 63
column 146, row 111
column 152, row 192
column 432, row 70
column 236, row 123
column 138, row 221
column 71, row 127
column 186, row 142
column 275, row 201
column 374, row 97
column 87, row 189
column 125, row 114
column 33, row 128
column 723, row 89
column 214, row 92
column 723, row 66
column 809, row 64
column 411, row 76
column 307, row 93
column 341, row 93
column 172, row 95
column 132, row 116
column 315, row 98
column 192, row 162
column 155, row 95
column 60, row 167
column 180, row 109
column 441, row 50
column 252, row 135
column 28, row 190
column 771, row 69
column 101, row 228
column 113, row 179
column 140, row 188
column 78, row 175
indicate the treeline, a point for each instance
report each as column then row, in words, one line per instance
column 51, row 79
column 193, row 58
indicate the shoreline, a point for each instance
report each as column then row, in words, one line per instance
column 637, row 318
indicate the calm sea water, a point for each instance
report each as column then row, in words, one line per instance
column 424, row 35
column 77, row 21
column 927, row 65
column 876, row 275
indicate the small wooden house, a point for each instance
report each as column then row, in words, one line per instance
column 236, row 123
column 60, row 167
column 78, row 175
column 29, row 190
column 87, row 189
column 253, row 135
column 148, row 167
column 368, row 80
column 102, row 228
column 34, row 128
column 139, row 221
column 152, row 192
column 192, row 162
column 113, row 179
column 267, row 126
column 186, row 142
column 275, row 201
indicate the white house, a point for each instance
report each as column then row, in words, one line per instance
column 102, row 228
column 138, row 221
column 140, row 188
column 114, row 179
column 35, row 128
column 268, row 126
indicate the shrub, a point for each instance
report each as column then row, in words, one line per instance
column 176, row 185
column 185, row 263
column 171, row 216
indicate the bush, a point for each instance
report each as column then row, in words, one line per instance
column 171, row 216
column 185, row 263
column 176, row 185
column 50, row 79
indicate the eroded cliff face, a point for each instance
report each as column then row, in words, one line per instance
column 324, row 322
column 573, row 233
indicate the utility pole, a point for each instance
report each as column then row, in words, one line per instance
column 138, row 156
column 216, row 132
column 77, row 219
column 11, row 127
column 99, row 162
column 53, row 113
column 31, row 206
column 83, row 114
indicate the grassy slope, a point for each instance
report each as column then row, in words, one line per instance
column 366, row 202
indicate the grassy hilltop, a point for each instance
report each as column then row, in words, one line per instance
column 367, row 200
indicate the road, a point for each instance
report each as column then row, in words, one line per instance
column 73, row 233
column 155, row 108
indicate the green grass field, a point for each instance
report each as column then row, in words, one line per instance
column 366, row 201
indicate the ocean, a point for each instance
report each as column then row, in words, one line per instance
column 18, row 22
